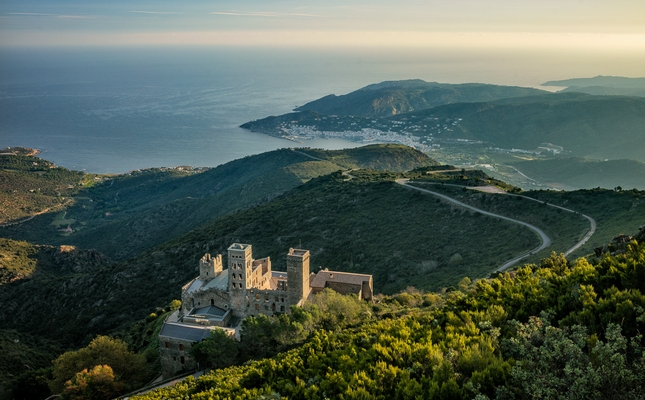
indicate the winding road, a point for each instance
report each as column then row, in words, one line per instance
column 592, row 222
column 546, row 241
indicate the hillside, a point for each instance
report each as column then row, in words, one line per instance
column 365, row 224
column 25, row 354
column 561, row 329
column 583, row 125
column 605, row 91
column 398, row 97
column 580, row 173
column 31, row 185
column 603, row 85
column 615, row 212
column 125, row 214
column 361, row 223
column 604, row 81
column 577, row 124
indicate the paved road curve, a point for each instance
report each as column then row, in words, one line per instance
column 592, row 223
column 546, row 241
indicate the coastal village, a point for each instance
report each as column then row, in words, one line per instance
column 220, row 298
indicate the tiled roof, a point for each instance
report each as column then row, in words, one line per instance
column 322, row 277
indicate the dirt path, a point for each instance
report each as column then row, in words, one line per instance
column 307, row 155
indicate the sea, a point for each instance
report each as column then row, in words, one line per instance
column 113, row 110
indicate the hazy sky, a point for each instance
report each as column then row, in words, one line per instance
column 586, row 25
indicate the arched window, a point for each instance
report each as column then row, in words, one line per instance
column 181, row 347
column 182, row 359
column 212, row 302
column 273, row 307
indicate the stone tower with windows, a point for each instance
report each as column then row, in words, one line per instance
column 240, row 268
column 219, row 299
column 297, row 275
column 209, row 266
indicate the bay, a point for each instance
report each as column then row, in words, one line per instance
column 110, row 110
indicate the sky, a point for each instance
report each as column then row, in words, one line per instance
column 539, row 39
column 583, row 25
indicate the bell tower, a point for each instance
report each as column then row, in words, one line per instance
column 209, row 266
column 240, row 267
column 297, row 275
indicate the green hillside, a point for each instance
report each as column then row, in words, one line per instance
column 579, row 173
column 359, row 221
column 362, row 222
column 366, row 225
column 597, row 127
column 589, row 126
column 125, row 214
column 31, row 185
column 20, row 354
column 398, row 97
column 615, row 212
column 606, row 91
column 560, row 330
column 601, row 81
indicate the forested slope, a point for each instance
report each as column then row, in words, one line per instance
column 584, row 125
column 123, row 215
column 563, row 329
column 360, row 225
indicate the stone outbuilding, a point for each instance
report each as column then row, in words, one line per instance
column 344, row 283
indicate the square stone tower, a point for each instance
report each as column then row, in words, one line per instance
column 297, row 275
column 209, row 266
column 240, row 268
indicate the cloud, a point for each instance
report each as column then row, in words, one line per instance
column 27, row 14
column 264, row 14
column 156, row 12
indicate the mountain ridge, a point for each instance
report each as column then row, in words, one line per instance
column 397, row 97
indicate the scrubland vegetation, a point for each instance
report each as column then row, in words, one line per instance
column 436, row 331
column 561, row 329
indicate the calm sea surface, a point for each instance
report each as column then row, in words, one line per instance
column 115, row 110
